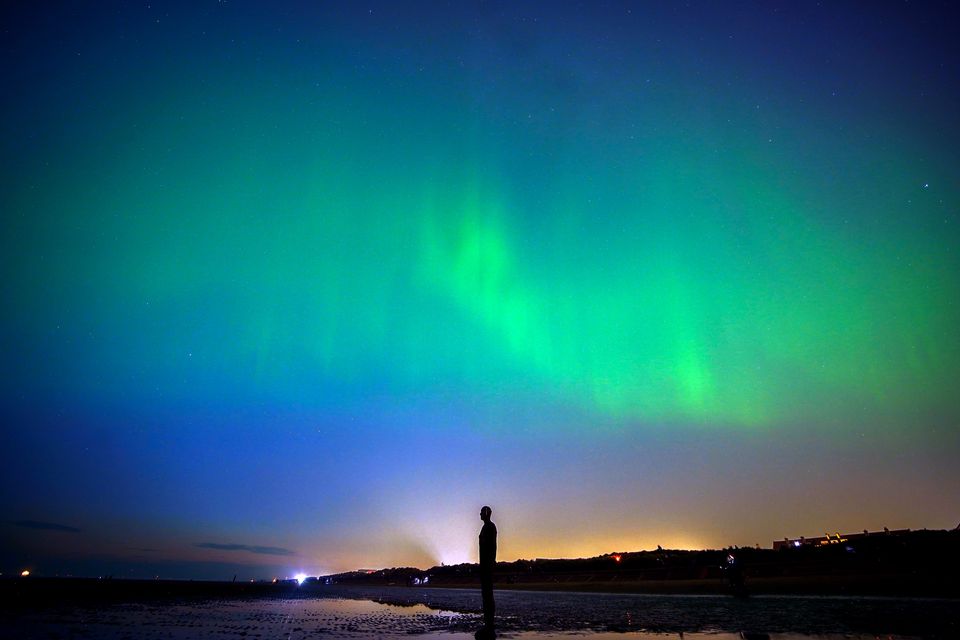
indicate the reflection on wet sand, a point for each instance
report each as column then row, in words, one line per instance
column 267, row 618
column 452, row 614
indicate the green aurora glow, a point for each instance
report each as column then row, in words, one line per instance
column 661, row 278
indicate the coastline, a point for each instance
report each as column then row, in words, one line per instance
column 40, row 592
column 894, row 585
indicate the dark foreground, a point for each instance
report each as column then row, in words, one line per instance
column 185, row 610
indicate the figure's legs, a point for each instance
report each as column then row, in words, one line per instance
column 486, row 590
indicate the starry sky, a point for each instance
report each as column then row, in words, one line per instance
column 300, row 286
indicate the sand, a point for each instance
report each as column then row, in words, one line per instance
column 296, row 618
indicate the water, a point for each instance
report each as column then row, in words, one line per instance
column 336, row 612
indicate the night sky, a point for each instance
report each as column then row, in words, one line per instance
column 301, row 286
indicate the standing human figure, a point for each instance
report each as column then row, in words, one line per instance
column 488, row 560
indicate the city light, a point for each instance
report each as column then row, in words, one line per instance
column 25, row 573
column 300, row 577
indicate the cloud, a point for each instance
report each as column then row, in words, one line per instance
column 250, row 548
column 44, row 526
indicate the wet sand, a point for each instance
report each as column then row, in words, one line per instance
column 306, row 618
column 452, row 613
column 896, row 585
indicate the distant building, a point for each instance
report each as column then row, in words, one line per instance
column 828, row 539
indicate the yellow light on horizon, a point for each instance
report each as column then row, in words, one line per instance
column 25, row 573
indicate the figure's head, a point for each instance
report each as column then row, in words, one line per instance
column 485, row 514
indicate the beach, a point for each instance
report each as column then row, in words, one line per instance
column 401, row 612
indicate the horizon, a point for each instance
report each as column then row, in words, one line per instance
column 298, row 289
column 292, row 573
column 300, row 576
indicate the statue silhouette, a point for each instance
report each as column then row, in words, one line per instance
column 488, row 560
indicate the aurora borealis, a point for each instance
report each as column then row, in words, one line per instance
column 300, row 287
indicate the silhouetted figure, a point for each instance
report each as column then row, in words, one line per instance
column 735, row 576
column 488, row 560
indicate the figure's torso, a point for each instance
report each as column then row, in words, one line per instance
column 488, row 544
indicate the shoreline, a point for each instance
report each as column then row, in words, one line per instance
column 893, row 585
column 40, row 592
